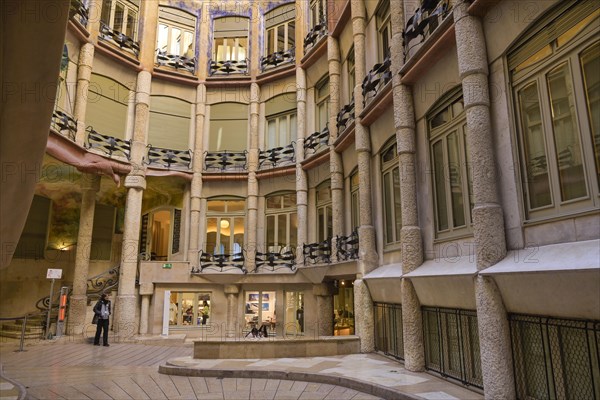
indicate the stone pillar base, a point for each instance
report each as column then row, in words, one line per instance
column 325, row 316
column 124, row 322
column 76, row 322
column 363, row 316
column 412, row 328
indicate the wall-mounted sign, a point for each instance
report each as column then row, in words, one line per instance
column 167, row 266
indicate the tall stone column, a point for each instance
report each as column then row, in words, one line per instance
column 368, row 259
column 252, row 205
column 410, row 234
column 146, row 291
column 84, row 75
column 232, row 327
column 301, row 176
column 78, row 302
column 324, row 313
column 488, row 219
column 196, row 185
column 135, row 182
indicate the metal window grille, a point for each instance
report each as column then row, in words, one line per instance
column 388, row 330
column 452, row 344
column 555, row 358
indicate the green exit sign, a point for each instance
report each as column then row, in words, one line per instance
column 167, row 266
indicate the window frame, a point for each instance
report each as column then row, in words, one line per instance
column 324, row 232
column 235, row 47
column 180, row 312
column 354, row 200
column 173, row 24
column 275, row 213
column 351, row 69
column 127, row 6
column 384, row 28
column 387, row 177
column 291, row 131
column 317, row 12
column 230, row 217
column 322, row 101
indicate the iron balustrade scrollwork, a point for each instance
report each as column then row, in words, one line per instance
column 169, row 158
column 424, row 21
column 347, row 247
column 177, row 62
column 277, row 156
column 313, row 36
column 107, row 144
column 275, row 59
column 376, row 79
column 345, row 116
column 317, row 253
column 220, row 262
column 64, row 124
column 316, row 141
column 276, row 260
column 119, row 38
column 225, row 160
column 77, row 8
column 228, row 67
column 103, row 282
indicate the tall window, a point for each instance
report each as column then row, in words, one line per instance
column 354, row 202
column 282, row 222
column 281, row 129
column 121, row 16
column 318, row 12
column 391, row 194
column 324, row 212
column 169, row 125
column 228, row 127
column 322, row 103
column 350, row 64
column 176, row 32
column 384, row 28
column 450, row 158
column 160, row 233
column 280, row 27
column 557, row 95
column 230, row 39
column 225, row 226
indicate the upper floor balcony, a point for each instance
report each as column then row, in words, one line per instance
column 377, row 78
column 345, row 117
column 108, row 145
column 168, row 158
column 270, row 261
column 119, row 39
column 176, row 62
column 225, row 161
column 316, row 142
column 80, row 12
column 314, row 36
column 277, row 59
column 220, row 263
column 64, row 124
column 278, row 156
column 226, row 68
column 426, row 19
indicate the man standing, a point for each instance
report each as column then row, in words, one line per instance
column 101, row 314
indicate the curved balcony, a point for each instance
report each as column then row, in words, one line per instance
column 277, row 156
column 376, row 79
column 64, row 124
column 278, row 58
column 347, row 247
column 220, row 263
column 316, row 142
column 272, row 261
column 424, row 21
column 225, row 161
column 345, row 117
column 164, row 59
column 169, row 158
column 119, row 39
column 79, row 12
column 226, row 68
column 317, row 253
column 314, row 35
column 109, row 145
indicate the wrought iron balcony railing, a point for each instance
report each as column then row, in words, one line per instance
column 169, row 158
column 177, row 62
column 225, row 160
column 107, row 144
column 424, row 21
column 79, row 11
column 345, row 117
column 317, row 141
column 227, row 67
column 64, row 124
column 376, row 79
column 119, row 38
column 277, row 156
column 277, row 58
column 313, row 36
column 347, row 247
column 220, row 262
column 317, row 253
column 275, row 261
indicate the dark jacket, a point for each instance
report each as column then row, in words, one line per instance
column 98, row 310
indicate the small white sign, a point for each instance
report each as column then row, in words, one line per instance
column 54, row 273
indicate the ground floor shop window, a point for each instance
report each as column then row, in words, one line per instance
column 294, row 313
column 260, row 311
column 343, row 308
column 189, row 308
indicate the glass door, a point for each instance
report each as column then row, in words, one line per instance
column 343, row 308
column 260, row 310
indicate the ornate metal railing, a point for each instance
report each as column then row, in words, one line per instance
column 277, row 156
column 220, row 262
column 169, row 158
column 177, row 62
column 277, row 58
column 275, row 261
column 102, row 283
column 118, row 38
column 424, row 21
column 376, row 79
column 317, row 253
column 64, row 124
column 347, row 247
column 227, row 67
column 107, row 144
column 78, row 9
column 315, row 142
column 345, row 116
column 313, row 36
column 225, row 160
